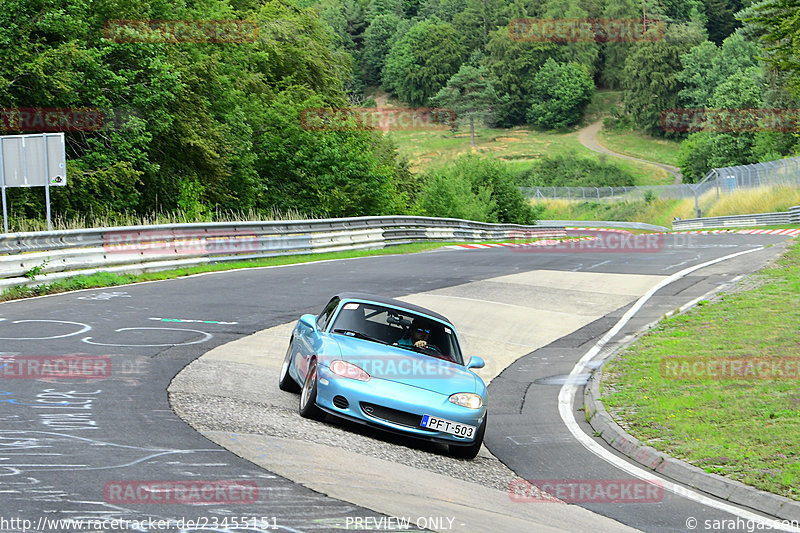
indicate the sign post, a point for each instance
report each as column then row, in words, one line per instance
column 34, row 160
column 3, row 187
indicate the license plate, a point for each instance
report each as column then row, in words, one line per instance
column 447, row 426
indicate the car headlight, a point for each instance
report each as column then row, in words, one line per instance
column 467, row 399
column 348, row 370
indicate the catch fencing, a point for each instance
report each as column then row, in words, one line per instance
column 726, row 180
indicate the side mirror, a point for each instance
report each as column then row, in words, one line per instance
column 310, row 321
column 476, row 362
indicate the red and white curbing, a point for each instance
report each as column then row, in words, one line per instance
column 551, row 242
column 543, row 242
column 792, row 232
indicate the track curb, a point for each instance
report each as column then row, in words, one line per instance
column 727, row 489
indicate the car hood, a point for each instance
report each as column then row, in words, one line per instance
column 405, row 366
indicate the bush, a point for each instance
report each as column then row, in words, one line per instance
column 451, row 196
column 474, row 180
column 561, row 92
column 572, row 171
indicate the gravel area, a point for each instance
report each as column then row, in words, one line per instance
column 213, row 395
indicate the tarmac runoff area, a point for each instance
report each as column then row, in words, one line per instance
column 230, row 395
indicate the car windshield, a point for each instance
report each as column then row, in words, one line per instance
column 387, row 325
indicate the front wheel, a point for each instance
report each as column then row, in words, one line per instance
column 286, row 383
column 471, row 451
column 308, row 395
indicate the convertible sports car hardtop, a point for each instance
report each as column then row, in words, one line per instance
column 389, row 364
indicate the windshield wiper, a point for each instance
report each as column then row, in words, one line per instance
column 358, row 335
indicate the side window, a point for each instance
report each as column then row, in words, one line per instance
column 325, row 316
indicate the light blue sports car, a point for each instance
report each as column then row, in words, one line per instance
column 388, row 364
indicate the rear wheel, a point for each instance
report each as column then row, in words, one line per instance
column 286, row 383
column 470, row 451
column 308, row 395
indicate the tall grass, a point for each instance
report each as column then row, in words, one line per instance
column 744, row 202
column 662, row 212
column 105, row 220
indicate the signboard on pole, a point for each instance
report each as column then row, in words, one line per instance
column 34, row 160
column 24, row 162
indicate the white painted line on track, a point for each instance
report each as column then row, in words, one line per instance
column 84, row 329
column 567, row 395
column 206, row 337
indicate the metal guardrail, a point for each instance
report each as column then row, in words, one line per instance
column 761, row 219
column 604, row 224
column 59, row 254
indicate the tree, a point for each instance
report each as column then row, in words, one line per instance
column 706, row 66
column 721, row 19
column 422, row 61
column 651, row 74
column 478, row 18
column 512, row 63
column 471, row 95
column 561, row 92
column 384, row 7
column 705, row 150
column 376, row 46
column 778, row 25
column 328, row 173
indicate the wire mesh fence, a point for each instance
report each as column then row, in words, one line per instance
column 726, row 180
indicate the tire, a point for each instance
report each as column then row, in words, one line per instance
column 470, row 451
column 308, row 395
column 286, row 382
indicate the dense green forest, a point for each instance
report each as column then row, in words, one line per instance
column 214, row 126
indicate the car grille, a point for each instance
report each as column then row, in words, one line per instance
column 393, row 415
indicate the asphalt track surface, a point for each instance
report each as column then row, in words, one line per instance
column 64, row 443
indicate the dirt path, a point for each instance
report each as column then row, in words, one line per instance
column 588, row 137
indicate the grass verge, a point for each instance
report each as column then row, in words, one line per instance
column 519, row 147
column 662, row 212
column 108, row 279
column 640, row 145
column 746, row 428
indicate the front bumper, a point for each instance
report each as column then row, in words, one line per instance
column 392, row 406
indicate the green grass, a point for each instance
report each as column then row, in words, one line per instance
column 658, row 212
column 520, row 147
column 661, row 212
column 746, row 429
column 640, row 145
column 107, row 279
